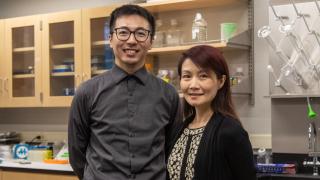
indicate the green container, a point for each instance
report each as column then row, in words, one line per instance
column 228, row 30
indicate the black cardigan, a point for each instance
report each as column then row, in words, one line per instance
column 224, row 152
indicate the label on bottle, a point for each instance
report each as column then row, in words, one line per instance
column 199, row 33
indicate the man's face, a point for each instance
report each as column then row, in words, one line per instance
column 130, row 54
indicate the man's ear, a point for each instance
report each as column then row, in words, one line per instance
column 110, row 39
column 151, row 42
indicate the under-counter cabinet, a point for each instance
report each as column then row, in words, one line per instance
column 42, row 59
column 19, row 175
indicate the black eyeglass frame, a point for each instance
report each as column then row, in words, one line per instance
column 131, row 32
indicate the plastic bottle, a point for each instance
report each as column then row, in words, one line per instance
column 108, row 52
column 174, row 33
column 199, row 29
column 159, row 38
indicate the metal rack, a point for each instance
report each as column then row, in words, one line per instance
column 294, row 63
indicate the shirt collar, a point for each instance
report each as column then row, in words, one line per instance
column 118, row 74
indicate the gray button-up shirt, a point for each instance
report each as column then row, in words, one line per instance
column 118, row 125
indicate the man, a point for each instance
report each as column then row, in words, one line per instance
column 119, row 120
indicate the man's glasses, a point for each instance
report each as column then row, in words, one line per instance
column 140, row 34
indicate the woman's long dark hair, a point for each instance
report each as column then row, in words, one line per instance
column 209, row 58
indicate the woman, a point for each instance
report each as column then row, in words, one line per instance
column 211, row 143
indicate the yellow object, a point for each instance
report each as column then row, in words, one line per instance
column 39, row 155
column 166, row 79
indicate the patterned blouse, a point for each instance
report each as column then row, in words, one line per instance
column 181, row 159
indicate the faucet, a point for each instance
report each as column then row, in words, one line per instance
column 312, row 146
column 312, row 136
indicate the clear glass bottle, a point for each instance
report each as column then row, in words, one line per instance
column 199, row 29
column 173, row 34
column 159, row 38
column 108, row 52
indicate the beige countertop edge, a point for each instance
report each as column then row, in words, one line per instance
column 37, row 166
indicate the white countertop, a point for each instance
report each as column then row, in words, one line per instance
column 37, row 165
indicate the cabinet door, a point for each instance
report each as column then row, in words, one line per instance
column 95, row 41
column 10, row 175
column 60, row 177
column 62, row 57
column 2, row 68
column 22, row 81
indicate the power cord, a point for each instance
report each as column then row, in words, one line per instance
column 35, row 138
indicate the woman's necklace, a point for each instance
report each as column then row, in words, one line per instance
column 194, row 124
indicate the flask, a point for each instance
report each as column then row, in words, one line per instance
column 263, row 156
column 159, row 35
column 108, row 52
column 199, row 29
column 173, row 34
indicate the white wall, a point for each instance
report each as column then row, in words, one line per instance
column 256, row 119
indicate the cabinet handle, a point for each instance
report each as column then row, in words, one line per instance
column 41, row 97
column 78, row 78
column 5, row 84
column 84, row 77
column 1, row 88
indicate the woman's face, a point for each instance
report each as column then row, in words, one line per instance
column 199, row 88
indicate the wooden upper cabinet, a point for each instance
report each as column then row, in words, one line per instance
column 176, row 5
column 96, row 49
column 2, row 68
column 22, row 80
column 46, row 57
column 215, row 12
column 43, row 63
column 62, row 62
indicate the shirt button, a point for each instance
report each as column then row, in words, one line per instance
column 130, row 94
column 132, row 155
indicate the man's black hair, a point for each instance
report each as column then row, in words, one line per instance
column 131, row 9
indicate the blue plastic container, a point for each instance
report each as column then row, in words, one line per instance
column 108, row 53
